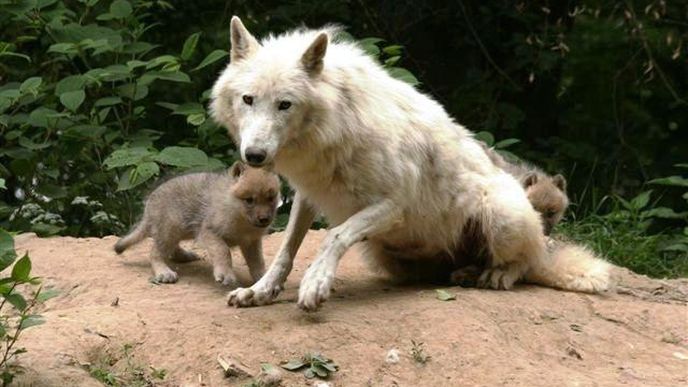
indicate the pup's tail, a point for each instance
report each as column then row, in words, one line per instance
column 571, row 267
column 136, row 235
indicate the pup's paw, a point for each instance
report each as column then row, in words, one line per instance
column 315, row 287
column 258, row 294
column 225, row 276
column 165, row 276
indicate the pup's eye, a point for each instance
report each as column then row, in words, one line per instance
column 249, row 201
column 550, row 214
column 284, row 105
column 248, row 100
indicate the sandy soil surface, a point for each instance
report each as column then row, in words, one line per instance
column 110, row 319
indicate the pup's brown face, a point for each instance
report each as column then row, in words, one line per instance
column 548, row 196
column 259, row 192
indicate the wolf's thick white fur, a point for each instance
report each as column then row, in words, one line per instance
column 386, row 165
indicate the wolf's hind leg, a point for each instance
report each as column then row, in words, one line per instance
column 513, row 233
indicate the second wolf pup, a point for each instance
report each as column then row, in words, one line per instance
column 546, row 193
column 220, row 210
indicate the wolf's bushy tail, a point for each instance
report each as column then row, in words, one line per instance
column 136, row 235
column 571, row 267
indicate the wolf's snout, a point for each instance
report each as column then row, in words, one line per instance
column 255, row 156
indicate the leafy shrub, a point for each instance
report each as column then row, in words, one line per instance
column 76, row 127
column 14, row 287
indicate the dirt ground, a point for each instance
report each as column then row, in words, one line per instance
column 532, row 336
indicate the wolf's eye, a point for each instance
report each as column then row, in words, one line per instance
column 249, row 201
column 284, row 105
column 248, row 100
column 550, row 214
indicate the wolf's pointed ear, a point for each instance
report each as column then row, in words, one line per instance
column 312, row 59
column 243, row 43
column 530, row 179
column 237, row 169
column 560, row 182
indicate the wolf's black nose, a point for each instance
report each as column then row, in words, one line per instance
column 255, row 156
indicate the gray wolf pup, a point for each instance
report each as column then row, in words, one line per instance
column 546, row 193
column 220, row 210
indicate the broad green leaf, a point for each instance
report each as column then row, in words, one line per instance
column 664, row 213
column 392, row 50
column 108, row 101
column 2, row 184
column 676, row 181
column 70, row 83
column 127, row 156
column 133, row 91
column 72, row 99
column 369, row 45
column 31, row 85
column 28, row 144
column 640, row 201
column 485, row 137
column 63, row 48
column 174, row 76
column 444, row 295
column 120, row 9
column 16, row 299
column 143, row 172
column 319, row 370
column 161, row 60
column 182, row 156
column 189, row 108
column 22, row 269
column 403, row 75
column 190, row 46
column 196, row 119
column 681, row 165
column 293, row 365
column 211, row 58
column 167, row 105
column 47, row 294
column 7, row 253
column 135, row 176
column 506, row 143
column 31, row 321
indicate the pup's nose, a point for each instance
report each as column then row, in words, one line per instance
column 255, row 156
column 264, row 221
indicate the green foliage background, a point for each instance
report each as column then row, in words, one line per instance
column 98, row 98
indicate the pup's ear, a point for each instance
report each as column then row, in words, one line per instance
column 243, row 43
column 529, row 179
column 560, row 182
column 237, row 169
column 312, row 59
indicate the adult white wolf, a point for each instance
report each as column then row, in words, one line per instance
column 386, row 165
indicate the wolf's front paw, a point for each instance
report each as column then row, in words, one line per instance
column 315, row 287
column 257, row 294
column 500, row 278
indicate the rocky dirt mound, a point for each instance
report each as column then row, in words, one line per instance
column 111, row 322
